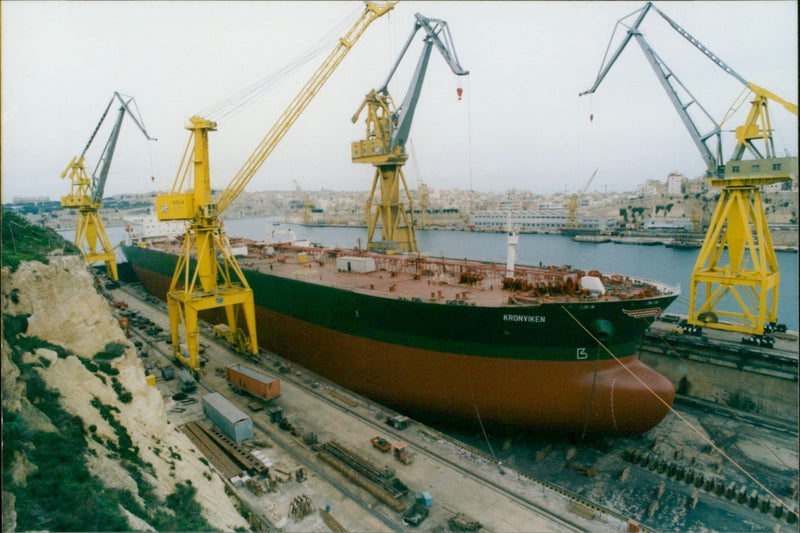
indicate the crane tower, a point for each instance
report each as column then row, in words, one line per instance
column 737, row 260
column 205, row 282
column 387, row 132
column 572, row 225
column 86, row 194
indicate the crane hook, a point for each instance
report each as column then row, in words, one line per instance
column 459, row 91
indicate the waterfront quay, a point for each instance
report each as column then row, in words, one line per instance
column 502, row 480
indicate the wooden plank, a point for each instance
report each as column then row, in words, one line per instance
column 211, row 452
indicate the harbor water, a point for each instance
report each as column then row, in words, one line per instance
column 668, row 265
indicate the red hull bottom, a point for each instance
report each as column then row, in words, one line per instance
column 625, row 397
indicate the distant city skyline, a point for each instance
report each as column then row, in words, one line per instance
column 519, row 125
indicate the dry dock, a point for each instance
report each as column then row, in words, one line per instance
column 459, row 478
column 715, row 366
column 669, row 479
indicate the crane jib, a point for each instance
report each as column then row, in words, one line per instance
column 287, row 119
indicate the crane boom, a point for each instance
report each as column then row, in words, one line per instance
column 586, row 187
column 207, row 275
column 298, row 105
column 404, row 115
column 86, row 194
column 633, row 30
column 387, row 133
column 700, row 46
column 739, row 225
column 572, row 206
column 99, row 180
column 745, row 134
column 667, row 78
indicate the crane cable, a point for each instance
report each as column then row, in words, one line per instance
column 469, row 143
column 132, row 101
column 235, row 103
column 680, row 416
column 149, row 144
column 744, row 95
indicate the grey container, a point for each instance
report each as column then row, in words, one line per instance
column 230, row 419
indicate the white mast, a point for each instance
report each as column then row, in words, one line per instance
column 511, row 252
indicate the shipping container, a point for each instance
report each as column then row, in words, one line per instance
column 230, row 419
column 362, row 265
column 243, row 378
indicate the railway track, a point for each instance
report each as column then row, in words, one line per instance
column 286, row 446
column 321, row 395
column 290, row 448
column 525, row 502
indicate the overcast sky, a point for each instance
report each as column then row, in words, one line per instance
column 519, row 125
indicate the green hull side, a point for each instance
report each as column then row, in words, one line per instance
column 544, row 332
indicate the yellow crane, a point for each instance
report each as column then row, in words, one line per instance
column 86, row 194
column 388, row 130
column 307, row 205
column 422, row 188
column 205, row 281
column 736, row 265
column 572, row 206
column 696, row 215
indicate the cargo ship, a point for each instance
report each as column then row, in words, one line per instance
column 528, row 347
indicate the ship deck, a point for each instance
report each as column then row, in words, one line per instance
column 437, row 279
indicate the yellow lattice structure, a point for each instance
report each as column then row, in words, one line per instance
column 212, row 278
column 737, row 261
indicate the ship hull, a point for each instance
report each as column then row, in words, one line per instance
column 529, row 369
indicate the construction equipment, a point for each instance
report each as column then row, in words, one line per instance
column 167, row 371
column 307, row 204
column 86, row 194
column 186, row 381
column 403, row 453
column 384, row 147
column 462, row 522
column 739, row 222
column 206, row 281
column 381, row 443
column 236, row 338
column 419, row 511
column 572, row 206
column 399, row 422
column 254, row 486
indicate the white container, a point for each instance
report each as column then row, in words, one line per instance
column 362, row 265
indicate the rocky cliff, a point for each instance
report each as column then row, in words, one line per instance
column 86, row 442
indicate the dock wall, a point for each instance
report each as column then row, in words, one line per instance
column 760, row 381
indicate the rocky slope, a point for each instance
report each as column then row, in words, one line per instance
column 62, row 345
